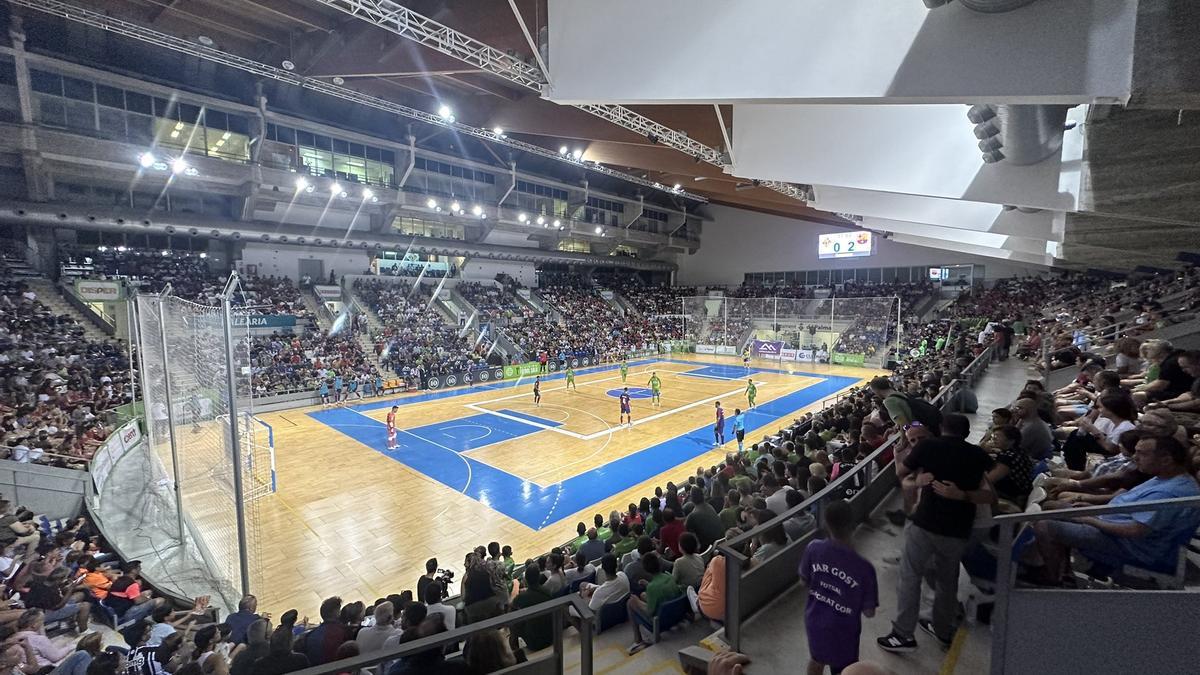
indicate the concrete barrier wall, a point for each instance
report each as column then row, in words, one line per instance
column 57, row 493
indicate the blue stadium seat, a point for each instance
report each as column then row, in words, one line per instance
column 612, row 614
column 669, row 615
column 573, row 587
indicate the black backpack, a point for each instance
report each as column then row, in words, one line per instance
column 924, row 412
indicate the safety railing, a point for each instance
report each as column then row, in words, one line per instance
column 557, row 610
column 97, row 316
column 751, row 585
column 1096, row 630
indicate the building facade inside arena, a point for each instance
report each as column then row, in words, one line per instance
column 625, row 337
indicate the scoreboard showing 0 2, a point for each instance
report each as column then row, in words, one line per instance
column 845, row 245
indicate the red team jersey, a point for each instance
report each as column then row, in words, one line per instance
column 391, row 421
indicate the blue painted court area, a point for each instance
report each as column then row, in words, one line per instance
column 434, row 450
column 634, row 392
column 721, row 372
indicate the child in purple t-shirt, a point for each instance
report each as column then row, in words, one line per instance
column 841, row 588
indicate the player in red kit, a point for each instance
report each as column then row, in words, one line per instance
column 391, row 428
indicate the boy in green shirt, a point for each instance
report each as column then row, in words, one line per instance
column 655, row 390
column 624, row 371
column 571, row 379
column 751, row 391
column 661, row 588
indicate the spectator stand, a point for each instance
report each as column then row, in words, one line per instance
column 1036, row 629
column 750, row 589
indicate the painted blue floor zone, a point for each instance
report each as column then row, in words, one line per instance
column 539, row 506
column 721, row 372
column 634, row 392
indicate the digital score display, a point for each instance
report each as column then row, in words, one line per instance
column 846, row 245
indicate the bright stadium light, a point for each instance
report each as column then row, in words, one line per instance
column 431, row 203
column 541, row 220
column 179, row 165
column 577, row 154
column 146, row 160
column 165, row 253
column 558, row 223
column 121, row 249
column 445, row 112
column 563, row 150
column 336, row 190
column 599, row 230
column 498, row 131
column 203, row 256
column 477, row 210
column 455, row 207
column 677, row 187
column 301, row 183
column 521, row 217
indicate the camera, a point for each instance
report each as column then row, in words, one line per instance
column 445, row 578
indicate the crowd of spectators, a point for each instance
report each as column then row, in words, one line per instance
column 495, row 302
column 415, row 341
column 301, row 362
column 58, row 386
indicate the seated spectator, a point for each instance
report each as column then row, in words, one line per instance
column 282, row 658
column 1148, row 539
column 688, row 568
column 126, row 597
column 645, row 604
column 594, row 548
column 1036, row 439
column 1185, row 406
column 538, row 633
column 703, row 521
column 31, row 628
column 614, row 586
column 255, row 646
column 86, row 650
column 1012, row 474
column 240, row 620
column 55, row 595
column 1172, row 379
column 321, row 643
column 487, row 652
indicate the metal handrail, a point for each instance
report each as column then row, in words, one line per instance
column 865, row 467
column 1005, row 567
column 557, row 608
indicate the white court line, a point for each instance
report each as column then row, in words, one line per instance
column 487, row 431
column 562, row 388
column 422, row 438
column 522, row 420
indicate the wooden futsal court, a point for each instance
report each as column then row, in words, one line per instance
column 484, row 464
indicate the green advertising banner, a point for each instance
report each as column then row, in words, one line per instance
column 839, row 358
column 522, row 370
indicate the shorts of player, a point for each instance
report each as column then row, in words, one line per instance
column 740, row 434
column 391, row 435
column 625, row 410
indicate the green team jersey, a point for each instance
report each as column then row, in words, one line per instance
column 751, row 390
column 624, row 369
column 570, row 375
column 655, row 383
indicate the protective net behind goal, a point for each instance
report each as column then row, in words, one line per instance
column 192, row 409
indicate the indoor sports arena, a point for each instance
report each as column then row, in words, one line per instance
column 634, row 337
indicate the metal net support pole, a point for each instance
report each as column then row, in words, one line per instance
column 162, row 329
column 239, row 493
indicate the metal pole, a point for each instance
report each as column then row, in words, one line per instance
column 1045, row 359
column 162, row 331
column 235, row 441
column 1003, row 586
column 899, row 324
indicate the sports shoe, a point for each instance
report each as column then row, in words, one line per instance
column 927, row 626
column 637, row 647
column 693, row 600
column 896, row 644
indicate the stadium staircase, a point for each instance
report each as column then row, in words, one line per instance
column 545, row 307
column 317, row 308
column 14, row 264
column 51, row 295
column 625, row 305
column 374, row 325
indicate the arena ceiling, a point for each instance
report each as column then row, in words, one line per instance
column 327, row 43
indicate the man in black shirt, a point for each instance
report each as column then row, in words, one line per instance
column 951, row 473
column 46, row 593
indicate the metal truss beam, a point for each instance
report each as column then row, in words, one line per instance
column 396, row 18
column 138, row 32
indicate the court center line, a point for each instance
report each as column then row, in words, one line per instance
column 514, row 418
column 681, row 408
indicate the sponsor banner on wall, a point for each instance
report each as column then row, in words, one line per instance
column 805, row 355
column 99, row 291
column 706, row 349
column 264, row 320
column 490, row 374
column 728, row 350
column 118, row 442
column 522, row 370
column 328, row 292
column 848, row 359
column 787, row 354
column 767, row 348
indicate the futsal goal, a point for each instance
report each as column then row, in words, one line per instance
column 850, row 331
column 216, row 457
